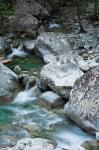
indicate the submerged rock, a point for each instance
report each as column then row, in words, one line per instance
column 83, row 105
column 60, row 76
column 17, row 70
column 50, row 99
column 34, row 144
column 8, row 84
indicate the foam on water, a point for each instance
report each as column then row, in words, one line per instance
column 54, row 26
column 19, row 52
column 59, row 128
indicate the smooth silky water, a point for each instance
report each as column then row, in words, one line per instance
column 16, row 119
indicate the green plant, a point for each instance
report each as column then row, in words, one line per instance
column 6, row 7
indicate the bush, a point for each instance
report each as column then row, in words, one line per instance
column 6, row 7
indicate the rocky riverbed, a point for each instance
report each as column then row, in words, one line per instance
column 49, row 79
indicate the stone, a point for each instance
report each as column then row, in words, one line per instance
column 27, row 14
column 16, row 43
column 41, row 29
column 82, row 41
column 23, row 79
column 11, row 36
column 32, row 126
column 31, row 82
column 91, row 145
column 60, row 76
column 17, row 70
column 23, row 22
column 28, row 46
column 83, row 105
column 83, row 65
column 5, row 47
column 34, row 144
column 97, row 136
column 50, row 99
column 8, row 84
column 97, row 59
column 35, row 8
column 50, row 45
column 31, row 34
column 42, row 85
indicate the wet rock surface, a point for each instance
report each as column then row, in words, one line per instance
column 8, row 84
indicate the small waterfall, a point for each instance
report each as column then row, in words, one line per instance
column 18, row 52
column 27, row 96
column 54, row 26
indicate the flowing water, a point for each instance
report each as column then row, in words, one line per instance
column 28, row 119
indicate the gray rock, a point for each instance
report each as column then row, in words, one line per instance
column 83, row 105
column 51, row 45
column 97, row 59
column 83, row 41
column 5, row 47
column 31, row 82
column 23, row 79
column 11, row 36
column 50, row 99
column 42, row 85
column 35, row 8
column 31, row 33
column 60, row 76
column 28, row 46
column 41, row 29
column 22, row 23
column 17, row 70
column 83, row 65
column 8, row 84
column 34, row 144
column 97, row 136
column 27, row 14
column 16, row 43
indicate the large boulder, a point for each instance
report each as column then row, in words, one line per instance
column 39, row 9
column 22, row 23
column 8, row 84
column 60, row 76
column 83, row 105
column 27, row 15
column 51, row 46
column 34, row 144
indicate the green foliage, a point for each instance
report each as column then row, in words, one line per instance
column 6, row 7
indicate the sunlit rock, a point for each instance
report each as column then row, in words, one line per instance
column 83, row 105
